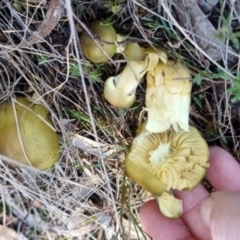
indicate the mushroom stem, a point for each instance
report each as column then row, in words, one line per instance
column 169, row 206
column 158, row 155
column 168, row 97
column 120, row 90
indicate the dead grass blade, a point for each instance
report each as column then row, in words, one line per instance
column 54, row 14
column 198, row 26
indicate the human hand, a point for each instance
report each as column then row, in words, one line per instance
column 205, row 216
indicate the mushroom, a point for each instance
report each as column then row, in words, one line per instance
column 171, row 160
column 168, row 97
column 155, row 54
column 27, row 134
column 169, row 206
column 133, row 52
column 103, row 46
column 120, row 90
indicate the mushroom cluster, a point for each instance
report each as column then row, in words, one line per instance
column 167, row 153
column 27, row 134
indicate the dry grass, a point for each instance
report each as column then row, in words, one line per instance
column 85, row 195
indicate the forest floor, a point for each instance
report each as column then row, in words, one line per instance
column 86, row 195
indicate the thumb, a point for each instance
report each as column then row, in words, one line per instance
column 221, row 213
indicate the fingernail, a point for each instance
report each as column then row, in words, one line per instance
column 206, row 209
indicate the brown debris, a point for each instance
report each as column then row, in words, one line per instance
column 53, row 15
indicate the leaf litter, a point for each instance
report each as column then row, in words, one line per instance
column 73, row 199
column 53, row 15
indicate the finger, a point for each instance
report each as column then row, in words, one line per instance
column 157, row 225
column 220, row 174
column 221, row 213
column 161, row 228
column 224, row 170
column 192, row 199
column 192, row 211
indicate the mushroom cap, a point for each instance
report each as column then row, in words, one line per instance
column 177, row 159
column 133, row 52
column 27, row 134
column 106, row 37
column 168, row 97
column 119, row 96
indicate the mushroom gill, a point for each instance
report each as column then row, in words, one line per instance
column 178, row 159
column 160, row 162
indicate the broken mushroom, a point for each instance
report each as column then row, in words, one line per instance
column 155, row 54
column 169, row 206
column 27, row 134
column 120, row 90
column 103, row 44
column 168, row 97
column 171, row 160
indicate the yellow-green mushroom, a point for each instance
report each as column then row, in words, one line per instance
column 169, row 206
column 120, row 90
column 27, row 134
column 160, row 162
column 168, row 97
column 102, row 45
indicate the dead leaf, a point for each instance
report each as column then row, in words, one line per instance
column 53, row 15
column 90, row 146
column 37, row 204
column 7, row 233
column 207, row 6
